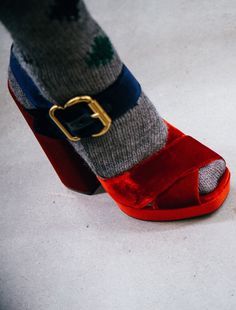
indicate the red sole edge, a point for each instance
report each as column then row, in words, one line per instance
column 183, row 213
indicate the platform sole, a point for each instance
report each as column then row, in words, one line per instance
column 219, row 195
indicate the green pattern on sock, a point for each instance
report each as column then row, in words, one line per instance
column 101, row 53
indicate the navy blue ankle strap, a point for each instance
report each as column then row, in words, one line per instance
column 116, row 100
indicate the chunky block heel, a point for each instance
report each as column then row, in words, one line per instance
column 69, row 166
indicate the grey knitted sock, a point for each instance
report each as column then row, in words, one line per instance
column 67, row 54
column 61, row 47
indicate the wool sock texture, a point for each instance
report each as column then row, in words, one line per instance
column 67, row 54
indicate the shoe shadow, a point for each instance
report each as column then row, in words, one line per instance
column 99, row 190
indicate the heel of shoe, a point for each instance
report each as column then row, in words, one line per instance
column 69, row 166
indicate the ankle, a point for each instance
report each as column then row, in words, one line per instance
column 70, row 77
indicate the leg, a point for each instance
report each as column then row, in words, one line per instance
column 66, row 53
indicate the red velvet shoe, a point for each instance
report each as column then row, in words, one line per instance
column 162, row 187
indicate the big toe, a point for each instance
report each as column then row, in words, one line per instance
column 210, row 175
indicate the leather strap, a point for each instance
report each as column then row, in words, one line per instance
column 116, row 100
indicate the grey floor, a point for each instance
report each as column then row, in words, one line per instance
column 60, row 250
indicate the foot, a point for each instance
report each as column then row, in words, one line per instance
column 87, row 64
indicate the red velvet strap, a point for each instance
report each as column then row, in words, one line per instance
column 174, row 169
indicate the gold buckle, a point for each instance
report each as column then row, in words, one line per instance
column 93, row 105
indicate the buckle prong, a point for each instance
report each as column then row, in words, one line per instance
column 95, row 107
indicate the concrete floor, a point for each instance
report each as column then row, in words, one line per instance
column 60, row 250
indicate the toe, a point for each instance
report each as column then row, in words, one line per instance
column 209, row 176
